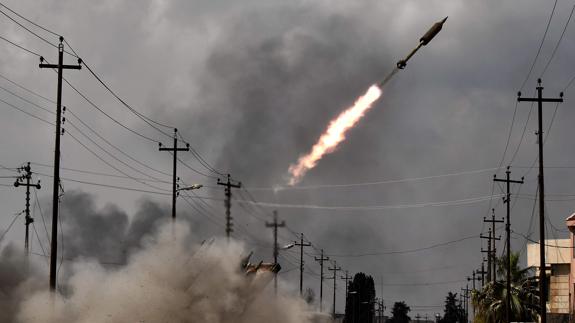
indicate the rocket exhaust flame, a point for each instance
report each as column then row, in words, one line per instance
column 335, row 132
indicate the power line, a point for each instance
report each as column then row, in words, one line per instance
column 106, row 162
column 375, row 207
column 373, row 183
column 27, row 113
column 382, row 253
column 10, row 226
column 27, row 90
column 120, row 150
column 540, row 46
column 20, row 46
column 30, row 21
column 28, row 30
column 97, row 173
column 558, row 43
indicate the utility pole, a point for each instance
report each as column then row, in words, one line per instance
column 508, row 181
column 56, row 187
column 321, row 259
column 27, row 176
column 542, row 275
column 482, row 272
column 491, row 270
column 301, row 244
column 474, row 278
column 347, row 278
column 491, row 256
column 335, row 269
column 174, row 150
column 466, row 302
column 275, row 225
column 228, row 203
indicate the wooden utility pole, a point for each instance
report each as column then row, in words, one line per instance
column 27, row 176
column 56, row 187
column 542, row 275
column 492, row 266
column 321, row 259
column 335, row 269
column 228, row 203
column 275, row 225
column 508, row 181
column 301, row 244
column 174, row 150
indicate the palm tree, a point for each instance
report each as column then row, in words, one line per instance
column 490, row 302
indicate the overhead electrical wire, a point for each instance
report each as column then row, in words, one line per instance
column 406, row 251
column 89, row 172
column 20, row 46
column 146, row 119
column 392, row 181
column 373, row 207
column 540, row 45
column 112, row 156
column 558, row 43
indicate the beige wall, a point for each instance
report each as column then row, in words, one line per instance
column 552, row 255
column 558, row 263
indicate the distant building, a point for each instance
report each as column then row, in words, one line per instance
column 560, row 272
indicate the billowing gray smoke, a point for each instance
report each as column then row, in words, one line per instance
column 160, row 276
column 167, row 281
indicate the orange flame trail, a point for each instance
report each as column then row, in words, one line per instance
column 334, row 134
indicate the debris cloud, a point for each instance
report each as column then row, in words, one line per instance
column 167, row 281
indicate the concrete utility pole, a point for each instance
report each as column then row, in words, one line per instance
column 27, row 176
column 321, row 259
column 275, row 225
column 335, row 269
column 491, row 255
column 301, row 244
column 508, row 181
column 228, row 203
column 56, row 187
column 542, row 276
column 174, row 151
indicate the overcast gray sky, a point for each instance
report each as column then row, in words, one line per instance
column 252, row 84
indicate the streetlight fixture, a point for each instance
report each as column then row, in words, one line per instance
column 288, row 246
column 189, row 188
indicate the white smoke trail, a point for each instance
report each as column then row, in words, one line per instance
column 167, row 282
